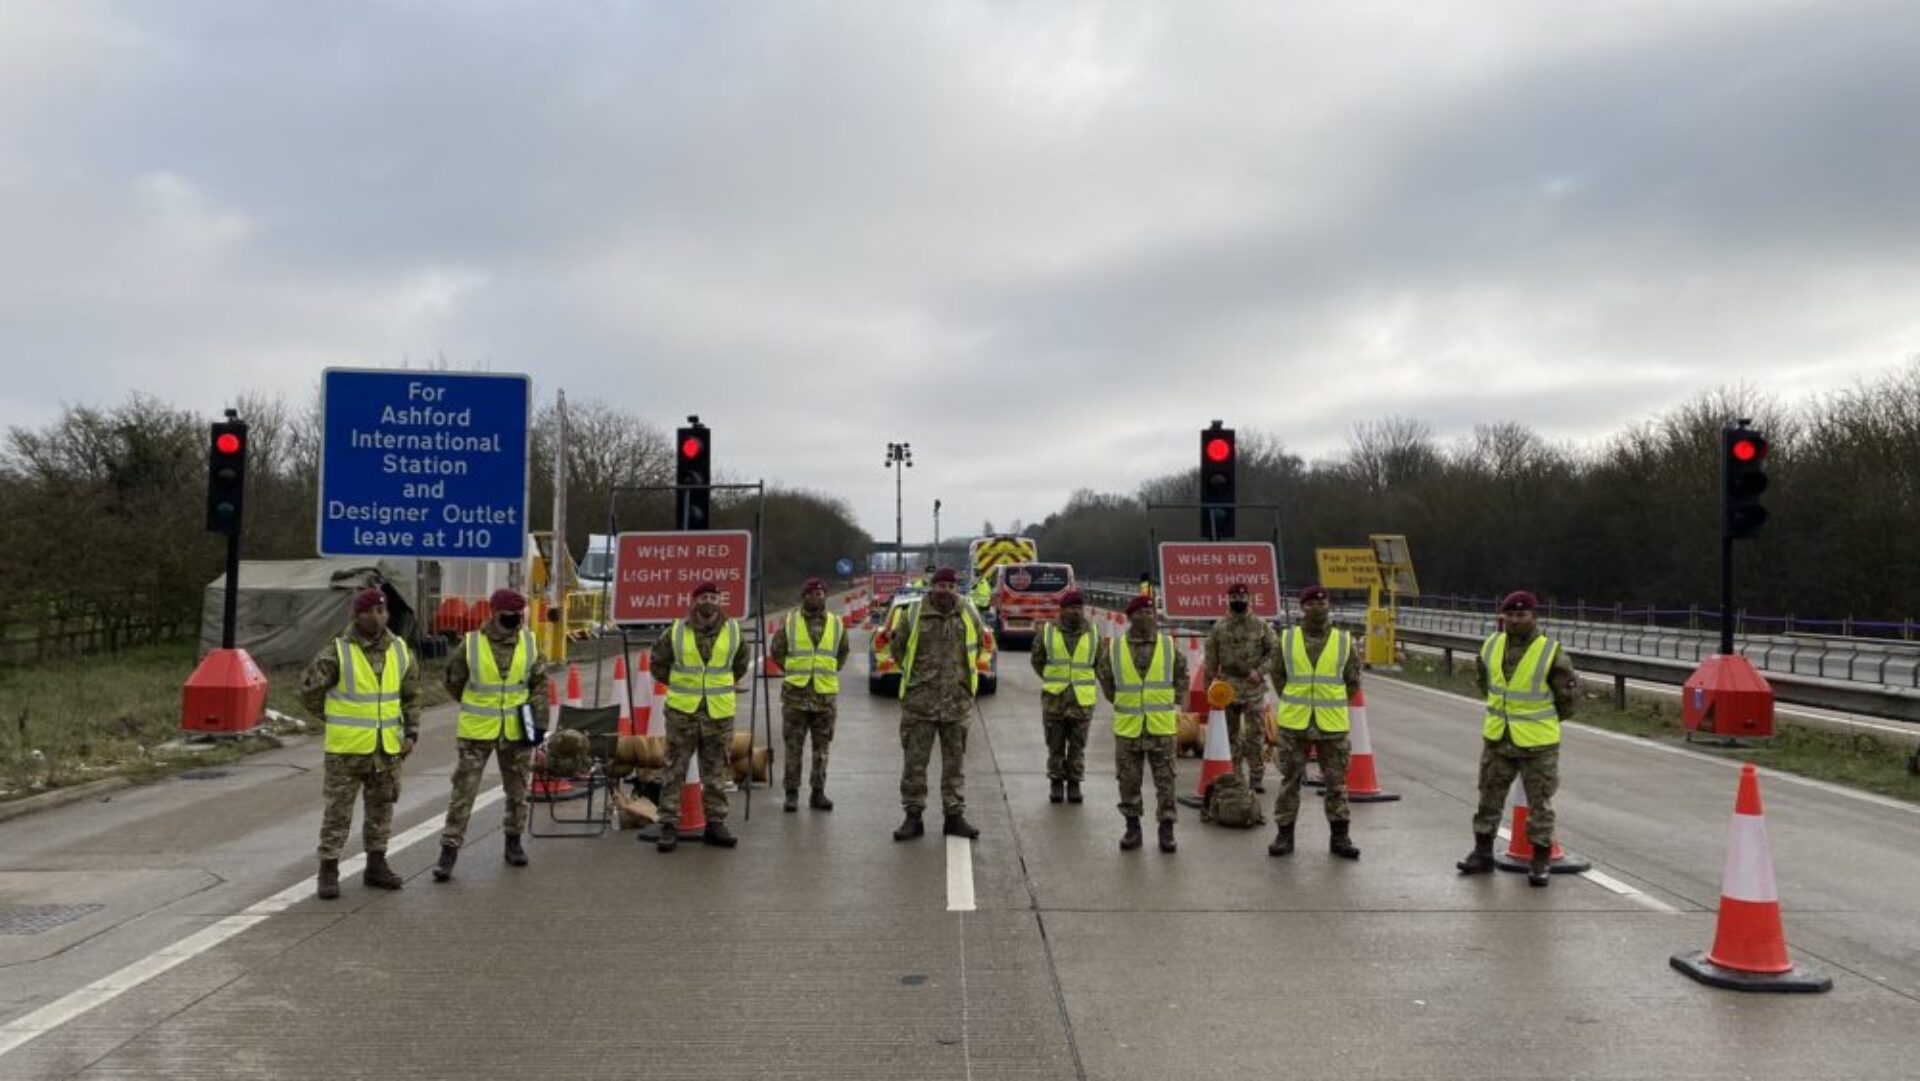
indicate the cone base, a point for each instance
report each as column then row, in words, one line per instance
column 1566, row 863
column 1372, row 797
column 1795, row 980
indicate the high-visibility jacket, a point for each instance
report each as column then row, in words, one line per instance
column 363, row 710
column 966, row 617
column 1144, row 701
column 982, row 592
column 1315, row 692
column 810, row 661
column 1524, row 702
column 490, row 702
column 695, row 679
column 1070, row 668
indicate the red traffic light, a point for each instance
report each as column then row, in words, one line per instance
column 1747, row 450
column 690, row 447
column 227, row 443
column 1218, row 450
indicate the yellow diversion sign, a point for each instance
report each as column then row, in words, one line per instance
column 1347, row 568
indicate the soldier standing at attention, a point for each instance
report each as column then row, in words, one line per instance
column 811, row 647
column 699, row 660
column 1240, row 647
column 497, row 671
column 936, row 643
column 1318, row 672
column 1142, row 673
column 364, row 684
column 1530, row 688
column 1063, row 658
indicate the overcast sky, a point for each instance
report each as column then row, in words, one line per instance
column 1043, row 242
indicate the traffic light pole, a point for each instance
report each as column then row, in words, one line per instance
column 1726, row 594
column 230, row 607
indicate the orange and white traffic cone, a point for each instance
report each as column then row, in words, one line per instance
column 1749, row 947
column 1520, row 850
column 693, row 805
column 1363, row 779
column 573, row 686
column 643, row 708
column 626, row 694
column 770, row 667
column 1218, row 760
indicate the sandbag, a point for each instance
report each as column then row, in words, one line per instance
column 741, row 742
column 760, row 766
column 635, row 811
column 643, row 752
column 1189, row 735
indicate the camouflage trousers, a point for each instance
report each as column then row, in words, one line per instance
column 918, row 734
column 1334, row 752
column 348, row 777
column 1539, row 771
column 690, row 734
column 1132, row 756
column 516, row 767
column 1248, row 738
column 796, row 723
column 1066, row 744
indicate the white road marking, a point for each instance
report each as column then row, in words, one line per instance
column 959, row 874
column 23, row 1029
column 1607, row 881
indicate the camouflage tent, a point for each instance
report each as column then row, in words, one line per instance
column 289, row 608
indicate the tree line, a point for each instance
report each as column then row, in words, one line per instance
column 1634, row 518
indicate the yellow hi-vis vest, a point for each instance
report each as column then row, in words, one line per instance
column 810, row 661
column 490, row 703
column 1523, row 703
column 973, row 648
column 982, row 592
column 1316, row 693
column 1075, row 670
column 694, row 680
column 1149, row 701
column 363, row 710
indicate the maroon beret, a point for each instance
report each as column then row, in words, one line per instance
column 1138, row 603
column 367, row 598
column 812, row 584
column 1519, row 601
column 1071, row 596
column 507, row 600
column 1315, row 593
column 708, row 586
column 946, row 574
column 1237, row 587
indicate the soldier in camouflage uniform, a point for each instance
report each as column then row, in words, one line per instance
column 1239, row 649
column 703, row 722
column 491, row 724
column 353, row 707
column 1323, row 723
column 1063, row 715
column 936, row 643
column 809, row 701
column 1522, row 732
column 1155, row 749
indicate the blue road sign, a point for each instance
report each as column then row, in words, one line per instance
column 428, row 465
column 843, row 567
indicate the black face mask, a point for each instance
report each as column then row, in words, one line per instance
column 1237, row 606
column 510, row 622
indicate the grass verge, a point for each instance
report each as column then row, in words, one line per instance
column 1859, row 760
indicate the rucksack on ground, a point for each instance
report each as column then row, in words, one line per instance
column 1230, row 802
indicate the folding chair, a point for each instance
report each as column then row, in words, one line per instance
column 602, row 727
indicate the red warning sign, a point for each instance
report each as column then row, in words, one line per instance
column 1194, row 577
column 654, row 573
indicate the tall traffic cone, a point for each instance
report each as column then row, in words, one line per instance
column 1520, row 850
column 643, row 702
column 573, row 686
column 693, row 805
column 1218, row 760
column 1363, row 780
column 770, row 667
column 626, row 693
column 1749, row 948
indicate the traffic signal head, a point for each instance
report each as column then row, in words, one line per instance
column 226, row 475
column 1218, row 462
column 693, row 475
column 1743, row 478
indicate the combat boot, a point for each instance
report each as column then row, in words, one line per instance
column 1540, row 865
column 1073, row 792
column 910, row 828
column 669, row 839
column 515, row 855
column 819, row 801
column 1056, row 791
column 328, row 884
column 1131, row 839
column 1282, row 841
column 792, row 804
column 1166, row 836
column 719, row 836
column 1480, row 860
column 1340, row 844
column 444, row 869
column 958, row 826
column 378, row 874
